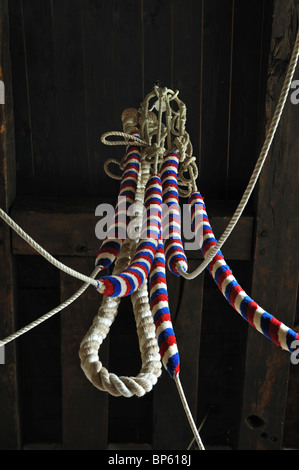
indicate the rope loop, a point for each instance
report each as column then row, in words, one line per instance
column 109, row 172
column 151, row 367
column 125, row 135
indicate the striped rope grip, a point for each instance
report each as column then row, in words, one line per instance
column 116, row 233
column 130, row 280
column 256, row 316
column 161, row 314
column 176, row 259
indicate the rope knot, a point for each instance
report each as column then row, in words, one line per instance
column 153, row 150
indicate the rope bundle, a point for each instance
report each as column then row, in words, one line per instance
column 143, row 260
column 111, row 245
column 256, row 316
column 154, row 174
column 150, row 177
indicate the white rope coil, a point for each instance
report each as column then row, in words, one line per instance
column 99, row 376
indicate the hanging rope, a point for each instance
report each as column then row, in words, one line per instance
column 259, row 164
column 158, row 146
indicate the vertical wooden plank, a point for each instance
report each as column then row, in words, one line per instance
column 171, row 430
column 249, row 24
column 69, row 77
column 157, row 31
column 39, row 50
column 84, row 408
column 291, row 422
column 22, row 111
column 187, row 50
column 221, row 362
column 39, row 373
column 9, row 417
column 112, row 67
column 130, row 419
column 216, row 81
column 275, row 273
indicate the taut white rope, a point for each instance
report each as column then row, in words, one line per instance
column 188, row 413
column 49, row 314
column 43, row 252
column 259, row 164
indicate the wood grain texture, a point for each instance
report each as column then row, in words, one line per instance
column 68, row 228
column 39, row 364
column 275, row 271
column 84, row 407
column 9, row 412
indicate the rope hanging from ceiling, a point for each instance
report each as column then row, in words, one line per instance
column 158, row 169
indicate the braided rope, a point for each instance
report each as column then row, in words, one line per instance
column 130, row 280
column 99, row 376
column 161, row 314
column 261, row 320
column 175, row 256
column 112, row 244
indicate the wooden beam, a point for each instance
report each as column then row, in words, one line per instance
column 67, row 227
column 84, row 408
column 9, row 418
column 275, row 270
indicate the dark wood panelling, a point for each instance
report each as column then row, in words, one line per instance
column 130, row 420
column 112, row 68
column 221, row 361
column 217, row 37
column 187, row 65
column 250, row 30
column 84, row 408
column 275, row 268
column 41, row 95
column 70, row 96
column 39, row 352
column 68, row 228
column 74, row 72
column 22, row 116
column 157, row 43
column 76, row 66
column 9, row 417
